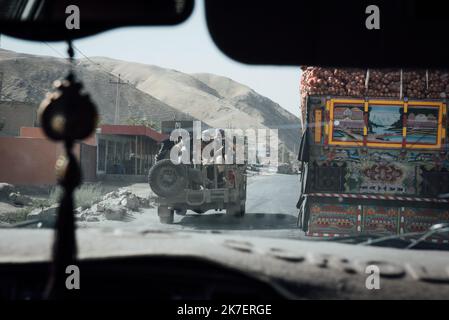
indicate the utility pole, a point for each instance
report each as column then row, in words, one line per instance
column 283, row 152
column 117, row 99
column 1, row 84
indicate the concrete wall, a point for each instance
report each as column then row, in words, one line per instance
column 31, row 161
column 25, row 161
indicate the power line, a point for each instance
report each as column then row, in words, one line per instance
column 54, row 49
column 117, row 83
column 95, row 63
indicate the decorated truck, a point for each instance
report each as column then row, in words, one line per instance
column 374, row 151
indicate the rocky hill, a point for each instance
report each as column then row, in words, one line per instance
column 150, row 91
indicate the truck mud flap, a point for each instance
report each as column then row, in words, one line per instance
column 303, row 215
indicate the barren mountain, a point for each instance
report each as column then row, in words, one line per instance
column 150, row 91
column 217, row 100
column 264, row 110
column 28, row 78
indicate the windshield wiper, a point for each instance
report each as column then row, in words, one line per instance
column 403, row 241
column 38, row 222
column 435, row 229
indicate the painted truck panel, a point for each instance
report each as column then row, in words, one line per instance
column 375, row 166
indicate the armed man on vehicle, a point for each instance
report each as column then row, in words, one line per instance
column 213, row 183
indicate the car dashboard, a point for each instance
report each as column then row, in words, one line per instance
column 150, row 264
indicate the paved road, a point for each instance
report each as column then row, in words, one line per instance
column 271, row 211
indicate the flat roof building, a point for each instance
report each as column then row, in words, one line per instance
column 126, row 150
column 114, row 152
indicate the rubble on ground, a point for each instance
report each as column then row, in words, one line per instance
column 9, row 194
column 5, row 191
column 117, row 205
column 47, row 214
column 19, row 199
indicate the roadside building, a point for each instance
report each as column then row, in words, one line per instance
column 114, row 152
column 124, row 150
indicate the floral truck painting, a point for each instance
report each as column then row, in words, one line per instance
column 372, row 164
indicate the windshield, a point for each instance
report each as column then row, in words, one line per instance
column 189, row 140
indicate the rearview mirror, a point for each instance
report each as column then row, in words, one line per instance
column 359, row 33
column 50, row 20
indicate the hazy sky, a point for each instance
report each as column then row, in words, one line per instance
column 187, row 48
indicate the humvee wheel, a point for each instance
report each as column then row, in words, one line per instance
column 167, row 179
column 166, row 215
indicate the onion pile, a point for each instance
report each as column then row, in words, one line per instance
column 382, row 83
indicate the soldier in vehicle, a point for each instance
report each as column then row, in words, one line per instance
column 213, row 140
